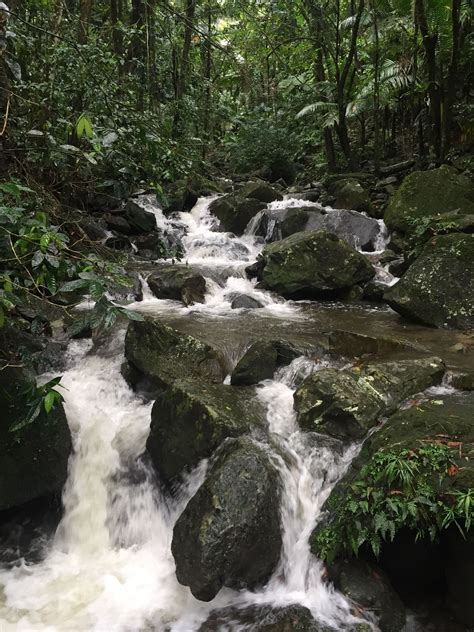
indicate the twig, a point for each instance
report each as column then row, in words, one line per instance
column 5, row 118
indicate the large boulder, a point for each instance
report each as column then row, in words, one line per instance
column 229, row 533
column 350, row 194
column 438, row 288
column 312, row 264
column 34, row 458
column 264, row 618
column 190, row 420
column 140, row 220
column 346, row 403
column 370, row 589
column 441, row 194
column 235, row 212
column 260, row 191
column 163, row 354
column 258, row 363
column 178, row 283
column 358, row 230
column 416, row 463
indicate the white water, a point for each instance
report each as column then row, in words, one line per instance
column 109, row 566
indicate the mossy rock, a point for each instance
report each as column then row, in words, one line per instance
column 312, row 264
column 346, row 404
column 258, row 363
column 164, row 354
column 229, row 533
column 369, row 587
column 235, row 212
column 434, row 193
column 444, row 420
column 350, row 194
column 264, row 618
column 190, row 420
column 178, row 283
column 34, row 459
column 438, row 288
column 260, row 191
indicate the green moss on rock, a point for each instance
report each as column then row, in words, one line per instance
column 310, row 264
column 430, row 194
column 438, row 288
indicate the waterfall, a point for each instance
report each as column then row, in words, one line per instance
column 109, row 566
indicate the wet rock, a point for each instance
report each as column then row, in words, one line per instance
column 229, row 533
column 440, row 193
column 463, row 380
column 140, row 220
column 354, row 345
column 148, row 241
column 374, row 291
column 33, row 459
column 370, row 589
column 178, row 283
column 358, row 230
column 312, row 195
column 118, row 223
column 445, row 419
column 235, row 212
column 460, row 576
column 312, row 264
column 346, row 403
column 118, row 243
column 181, row 196
column 264, row 618
column 164, row 354
column 350, row 194
column 258, row 363
column 243, row 301
column 96, row 231
column 438, row 288
column 190, row 420
column 260, row 191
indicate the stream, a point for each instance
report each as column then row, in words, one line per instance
column 108, row 566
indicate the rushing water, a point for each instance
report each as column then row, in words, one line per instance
column 109, row 566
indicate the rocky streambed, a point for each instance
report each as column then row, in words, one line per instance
column 227, row 449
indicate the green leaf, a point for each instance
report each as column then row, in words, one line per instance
column 72, row 286
column 49, row 401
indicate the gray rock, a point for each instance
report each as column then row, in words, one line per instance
column 258, row 363
column 178, row 283
column 229, row 533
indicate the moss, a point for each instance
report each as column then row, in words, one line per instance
column 430, row 194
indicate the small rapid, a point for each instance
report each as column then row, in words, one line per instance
column 109, row 566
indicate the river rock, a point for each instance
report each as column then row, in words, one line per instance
column 264, row 618
column 258, row 363
column 140, row 220
column 118, row 223
column 180, row 196
column 235, row 212
column 440, row 193
column 358, row 230
column 229, row 533
column 311, row 195
column 260, row 191
column 190, row 419
column 163, row 354
column 346, row 403
column 312, row 264
column 350, row 194
column 33, row 460
column 438, row 288
column 370, row 589
column 440, row 418
column 178, row 283
column 243, row 301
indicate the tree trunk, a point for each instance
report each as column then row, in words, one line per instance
column 115, row 18
column 182, row 78
column 85, row 9
column 430, row 41
column 452, row 75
